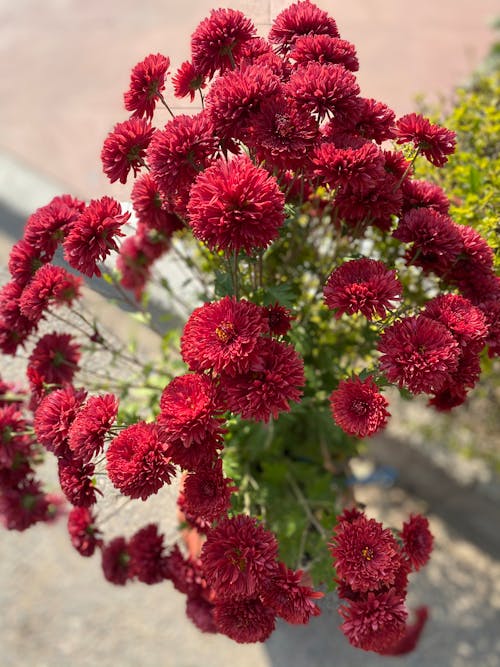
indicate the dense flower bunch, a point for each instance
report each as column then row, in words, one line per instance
column 313, row 248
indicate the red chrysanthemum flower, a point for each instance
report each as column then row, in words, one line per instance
column 50, row 285
column 433, row 141
column 147, row 82
column 236, row 206
column 418, row 353
column 24, row 261
column 375, row 205
column 92, row 237
column 409, row 640
column 82, row 529
column 289, row 598
column 373, row 121
column 125, row 148
column 14, row 326
column 138, row 463
column 325, row 49
column 275, row 377
column 435, row 237
column 54, row 416
column 361, row 168
column 366, row 555
column 238, row 557
column 217, row 41
column 359, row 408
column 223, row 335
column 466, row 322
column 376, row 622
column 246, row 621
column 87, row 432
column 55, row 358
column 451, row 396
column 474, row 263
column 116, row 561
column 198, row 456
column 362, row 285
column 150, row 208
column 190, row 409
column 417, row 540
column 77, row 484
column 23, row 505
column 15, row 443
column 258, row 51
column 187, row 80
column 324, row 89
column 300, row 18
column 201, row 612
column 184, row 573
column 423, row 194
column 206, row 493
column 280, row 319
column 147, row 557
column 178, row 152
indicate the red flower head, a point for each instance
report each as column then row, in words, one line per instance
column 236, row 206
column 137, row 461
column 184, row 573
column 198, row 456
column 280, row 319
column 187, row 80
column 150, row 209
column 201, row 612
column 55, row 358
column 125, row 148
column 223, row 335
column 238, row 557
column 15, row 444
column 50, row 285
column 54, row 416
column 86, row 434
column 325, row 49
column 475, row 262
column 358, row 407
column 433, row 141
column 324, row 89
column 24, row 261
column 374, row 205
column 376, row 622
column 301, row 18
column 275, row 378
column 23, row 505
column 147, row 557
column 92, row 237
column 360, row 168
column 116, row 561
column 217, row 41
column 363, row 285
column 422, row 194
column 366, row 555
column 14, row 326
column 372, row 121
column 418, row 353
column 206, row 494
column 76, row 482
column 417, row 540
column 289, row 598
column 465, row 321
column 246, row 621
column 147, row 82
column 85, row 536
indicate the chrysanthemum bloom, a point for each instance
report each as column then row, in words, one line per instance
column 435, row 237
column 374, row 205
column 290, row 599
column 178, row 152
column 397, row 165
column 190, row 409
column 24, row 261
column 223, row 335
column 147, row 82
column 87, row 432
column 423, row 194
column 92, row 237
column 417, row 540
column 409, row 640
column 450, row 396
column 360, row 168
column 137, row 461
column 216, row 42
column 474, row 263
column 275, row 377
column 46, row 227
column 14, row 326
column 206, row 493
column 236, row 206
column 375, row 623
column 238, row 557
column 280, row 319
column 116, row 561
column 372, row 121
column 237, row 96
column 150, row 208
column 187, row 80
column 282, row 134
column 199, row 455
column 324, row 89
column 362, row 285
column 201, row 612
column 55, row 357
column 185, row 573
column 300, row 18
column 23, row 505
column 82, row 529
column 15, row 443
column 465, row 321
column 325, row 49
column 50, row 285
column 125, row 148
column 246, row 621
column 358, row 407
column 258, row 51
column 418, row 353
column 54, row 416
column 433, row 141
column 366, row 555
column 76, row 480
column 147, row 557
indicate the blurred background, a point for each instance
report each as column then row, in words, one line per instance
column 64, row 65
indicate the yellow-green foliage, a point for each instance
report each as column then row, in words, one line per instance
column 471, row 179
